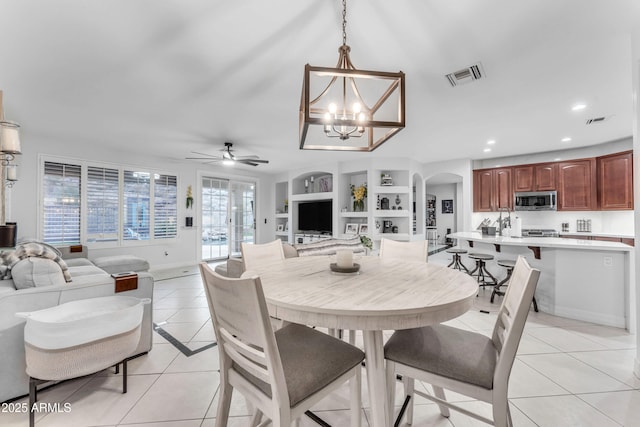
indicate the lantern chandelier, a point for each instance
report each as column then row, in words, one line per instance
column 354, row 110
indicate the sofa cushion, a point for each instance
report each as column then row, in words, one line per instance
column 76, row 262
column 86, row 270
column 330, row 246
column 119, row 263
column 33, row 272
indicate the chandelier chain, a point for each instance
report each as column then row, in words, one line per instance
column 344, row 22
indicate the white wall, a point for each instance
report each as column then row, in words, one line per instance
column 635, row 71
column 24, row 197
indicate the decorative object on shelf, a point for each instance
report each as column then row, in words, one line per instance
column 286, row 226
column 306, row 185
column 286, row 205
column 378, row 203
column 399, row 208
column 351, row 228
column 398, row 201
column 394, row 229
column 386, row 226
column 384, row 204
column 363, row 229
column 327, row 122
column 325, row 184
column 386, row 180
column 378, row 226
column 189, row 197
column 359, row 195
column 280, row 227
column 393, row 208
column 313, row 190
column 447, row 206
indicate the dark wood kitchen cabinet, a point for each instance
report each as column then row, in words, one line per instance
column 492, row 189
column 615, row 181
column 577, row 185
column 538, row 177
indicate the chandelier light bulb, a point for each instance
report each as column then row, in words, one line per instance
column 356, row 108
column 333, row 108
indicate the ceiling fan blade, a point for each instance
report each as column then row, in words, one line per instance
column 259, row 161
column 247, row 162
column 213, row 159
column 204, row 154
column 254, row 157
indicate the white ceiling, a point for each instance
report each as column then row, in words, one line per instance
column 176, row 76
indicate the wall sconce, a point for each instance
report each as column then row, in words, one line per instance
column 9, row 148
column 11, row 175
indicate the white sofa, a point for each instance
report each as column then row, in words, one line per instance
column 50, row 289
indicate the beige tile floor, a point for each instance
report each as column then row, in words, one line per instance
column 567, row 373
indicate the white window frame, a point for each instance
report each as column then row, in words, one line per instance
column 84, row 165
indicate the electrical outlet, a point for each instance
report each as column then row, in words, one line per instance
column 608, row 261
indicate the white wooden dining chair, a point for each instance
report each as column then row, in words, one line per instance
column 417, row 250
column 465, row 362
column 255, row 256
column 282, row 374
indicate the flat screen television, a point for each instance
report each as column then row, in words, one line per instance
column 316, row 216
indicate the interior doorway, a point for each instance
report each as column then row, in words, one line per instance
column 228, row 217
column 443, row 209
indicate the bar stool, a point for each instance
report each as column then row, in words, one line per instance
column 456, row 262
column 508, row 264
column 481, row 271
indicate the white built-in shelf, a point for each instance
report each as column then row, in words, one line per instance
column 282, row 215
column 354, row 214
column 312, row 196
column 282, row 233
column 391, row 189
column 391, row 213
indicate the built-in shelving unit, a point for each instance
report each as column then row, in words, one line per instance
column 392, row 215
column 282, row 215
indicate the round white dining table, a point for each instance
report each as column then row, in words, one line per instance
column 386, row 294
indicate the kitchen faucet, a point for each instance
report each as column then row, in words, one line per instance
column 501, row 222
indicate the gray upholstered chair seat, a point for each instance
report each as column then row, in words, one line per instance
column 454, row 353
column 304, row 373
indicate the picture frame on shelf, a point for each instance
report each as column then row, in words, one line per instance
column 363, row 229
column 325, row 184
column 351, row 228
column 280, row 227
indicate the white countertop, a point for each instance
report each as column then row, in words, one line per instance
column 575, row 233
column 542, row 242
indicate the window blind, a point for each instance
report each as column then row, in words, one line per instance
column 165, row 194
column 102, row 204
column 136, row 204
column 61, row 204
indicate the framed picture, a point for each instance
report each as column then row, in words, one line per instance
column 280, row 227
column 363, row 229
column 447, row 206
column 325, row 184
column 351, row 229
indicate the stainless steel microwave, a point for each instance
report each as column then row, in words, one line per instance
column 536, row 201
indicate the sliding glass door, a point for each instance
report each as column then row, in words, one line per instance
column 228, row 217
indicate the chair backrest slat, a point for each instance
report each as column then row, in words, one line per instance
column 243, row 330
column 256, row 256
column 408, row 251
column 513, row 315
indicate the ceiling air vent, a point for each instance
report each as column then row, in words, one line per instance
column 466, row 75
column 596, row 120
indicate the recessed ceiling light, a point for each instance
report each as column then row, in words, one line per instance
column 557, row 159
column 491, row 141
column 486, row 150
column 566, row 139
column 578, row 107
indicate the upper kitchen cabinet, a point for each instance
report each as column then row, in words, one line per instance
column 538, row 177
column 577, row 185
column 615, row 181
column 492, row 189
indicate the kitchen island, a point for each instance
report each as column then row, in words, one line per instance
column 586, row 280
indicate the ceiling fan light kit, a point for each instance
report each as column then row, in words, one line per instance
column 347, row 109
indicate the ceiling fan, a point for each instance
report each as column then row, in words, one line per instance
column 228, row 158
